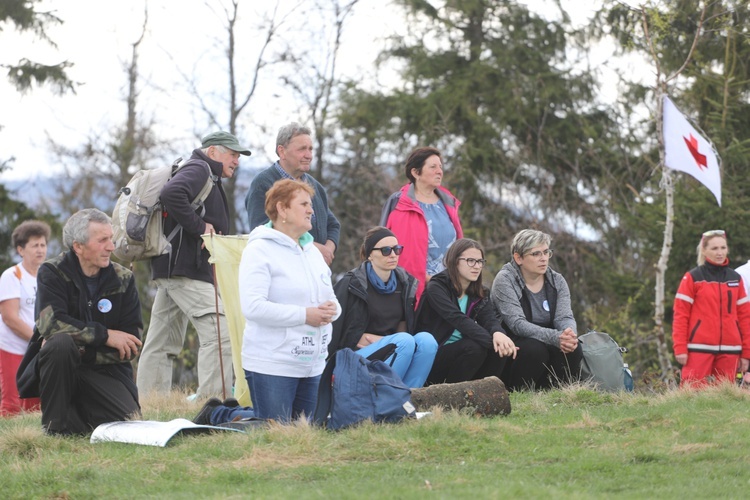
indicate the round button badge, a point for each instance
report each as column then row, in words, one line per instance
column 104, row 305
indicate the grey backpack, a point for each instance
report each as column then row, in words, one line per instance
column 602, row 361
column 137, row 219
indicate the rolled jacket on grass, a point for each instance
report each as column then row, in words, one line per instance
column 487, row 397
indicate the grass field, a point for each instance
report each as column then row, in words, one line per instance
column 570, row 443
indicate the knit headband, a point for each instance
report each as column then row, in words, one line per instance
column 373, row 239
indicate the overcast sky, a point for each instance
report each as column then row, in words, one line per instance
column 97, row 35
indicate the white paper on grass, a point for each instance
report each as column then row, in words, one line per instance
column 149, row 432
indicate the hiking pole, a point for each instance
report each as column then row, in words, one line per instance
column 218, row 325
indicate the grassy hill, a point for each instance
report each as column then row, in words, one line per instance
column 570, row 443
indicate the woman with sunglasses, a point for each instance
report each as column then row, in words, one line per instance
column 377, row 318
column 711, row 324
column 457, row 310
column 534, row 304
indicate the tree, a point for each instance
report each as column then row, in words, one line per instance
column 699, row 53
column 97, row 169
column 316, row 84
column 24, row 73
column 525, row 141
column 242, row 84
column 12, row 213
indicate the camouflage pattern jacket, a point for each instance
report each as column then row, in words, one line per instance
column 64, row 308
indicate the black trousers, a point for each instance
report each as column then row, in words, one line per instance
column 78, row 397
column 464, row 360
column 541, row 366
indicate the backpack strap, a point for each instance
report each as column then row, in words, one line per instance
column 17, row 272
column 207, row 187
column 384, row 353
column 325, row 393
column 199, row 201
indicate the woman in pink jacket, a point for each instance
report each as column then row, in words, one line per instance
column 424, row 216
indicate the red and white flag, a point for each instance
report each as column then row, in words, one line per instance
column 687, row 151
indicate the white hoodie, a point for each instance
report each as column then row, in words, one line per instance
column 278, row 281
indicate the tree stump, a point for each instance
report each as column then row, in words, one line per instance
column 487, row 397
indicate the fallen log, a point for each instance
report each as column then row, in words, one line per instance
column 486, row 397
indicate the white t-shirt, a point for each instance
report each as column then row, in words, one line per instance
column 744, row 271
column 23, row 289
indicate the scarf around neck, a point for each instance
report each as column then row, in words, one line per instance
column 378, row 284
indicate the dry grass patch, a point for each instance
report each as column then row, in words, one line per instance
column 23, row 442
column 585, row 422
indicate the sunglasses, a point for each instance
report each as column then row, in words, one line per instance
column 386, row 251
column 714, row 232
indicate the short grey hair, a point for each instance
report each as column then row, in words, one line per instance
column 222, row 149
column 289, row 132
column 76, row 230
column 527, row 239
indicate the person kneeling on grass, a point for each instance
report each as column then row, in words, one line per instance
column 89, row 315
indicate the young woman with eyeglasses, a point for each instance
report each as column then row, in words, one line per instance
column 456, row 309
column 534, row 304
column 377, row 300
column 711, row 325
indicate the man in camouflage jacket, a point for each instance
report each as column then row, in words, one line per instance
column 89, row 315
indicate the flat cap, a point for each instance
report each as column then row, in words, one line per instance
column 225, row 139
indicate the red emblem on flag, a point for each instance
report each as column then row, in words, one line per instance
column 692, row 145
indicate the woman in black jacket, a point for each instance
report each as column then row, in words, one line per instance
column 377, row 311
column 457, row 311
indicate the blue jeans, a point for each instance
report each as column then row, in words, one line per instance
column 282, row 398
column 224, row 414
column 414, row 356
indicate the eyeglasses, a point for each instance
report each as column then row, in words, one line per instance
column 473, row 262
column 538, row 254
column 386, row 251
column 714, row 232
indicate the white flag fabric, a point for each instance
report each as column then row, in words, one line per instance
column 687, row 151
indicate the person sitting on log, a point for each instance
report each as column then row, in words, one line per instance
column 377, row 319
column 457, row 310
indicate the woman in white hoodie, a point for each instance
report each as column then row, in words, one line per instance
column 289, row 305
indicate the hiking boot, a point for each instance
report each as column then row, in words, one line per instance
column 204, row 416
column 231, row 403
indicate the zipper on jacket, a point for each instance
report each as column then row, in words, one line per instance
column 721, row 322
column 695, row 329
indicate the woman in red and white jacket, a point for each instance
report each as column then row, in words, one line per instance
column 711, row 326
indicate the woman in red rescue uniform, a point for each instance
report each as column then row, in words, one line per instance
column 711, row 326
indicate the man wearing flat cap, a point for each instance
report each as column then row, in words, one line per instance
column 183, row 277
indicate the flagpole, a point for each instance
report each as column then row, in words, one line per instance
column 662, row 349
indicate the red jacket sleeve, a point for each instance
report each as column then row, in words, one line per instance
column 683, row 304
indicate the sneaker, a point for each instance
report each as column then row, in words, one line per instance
column 204, row 416
column 231, row 403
